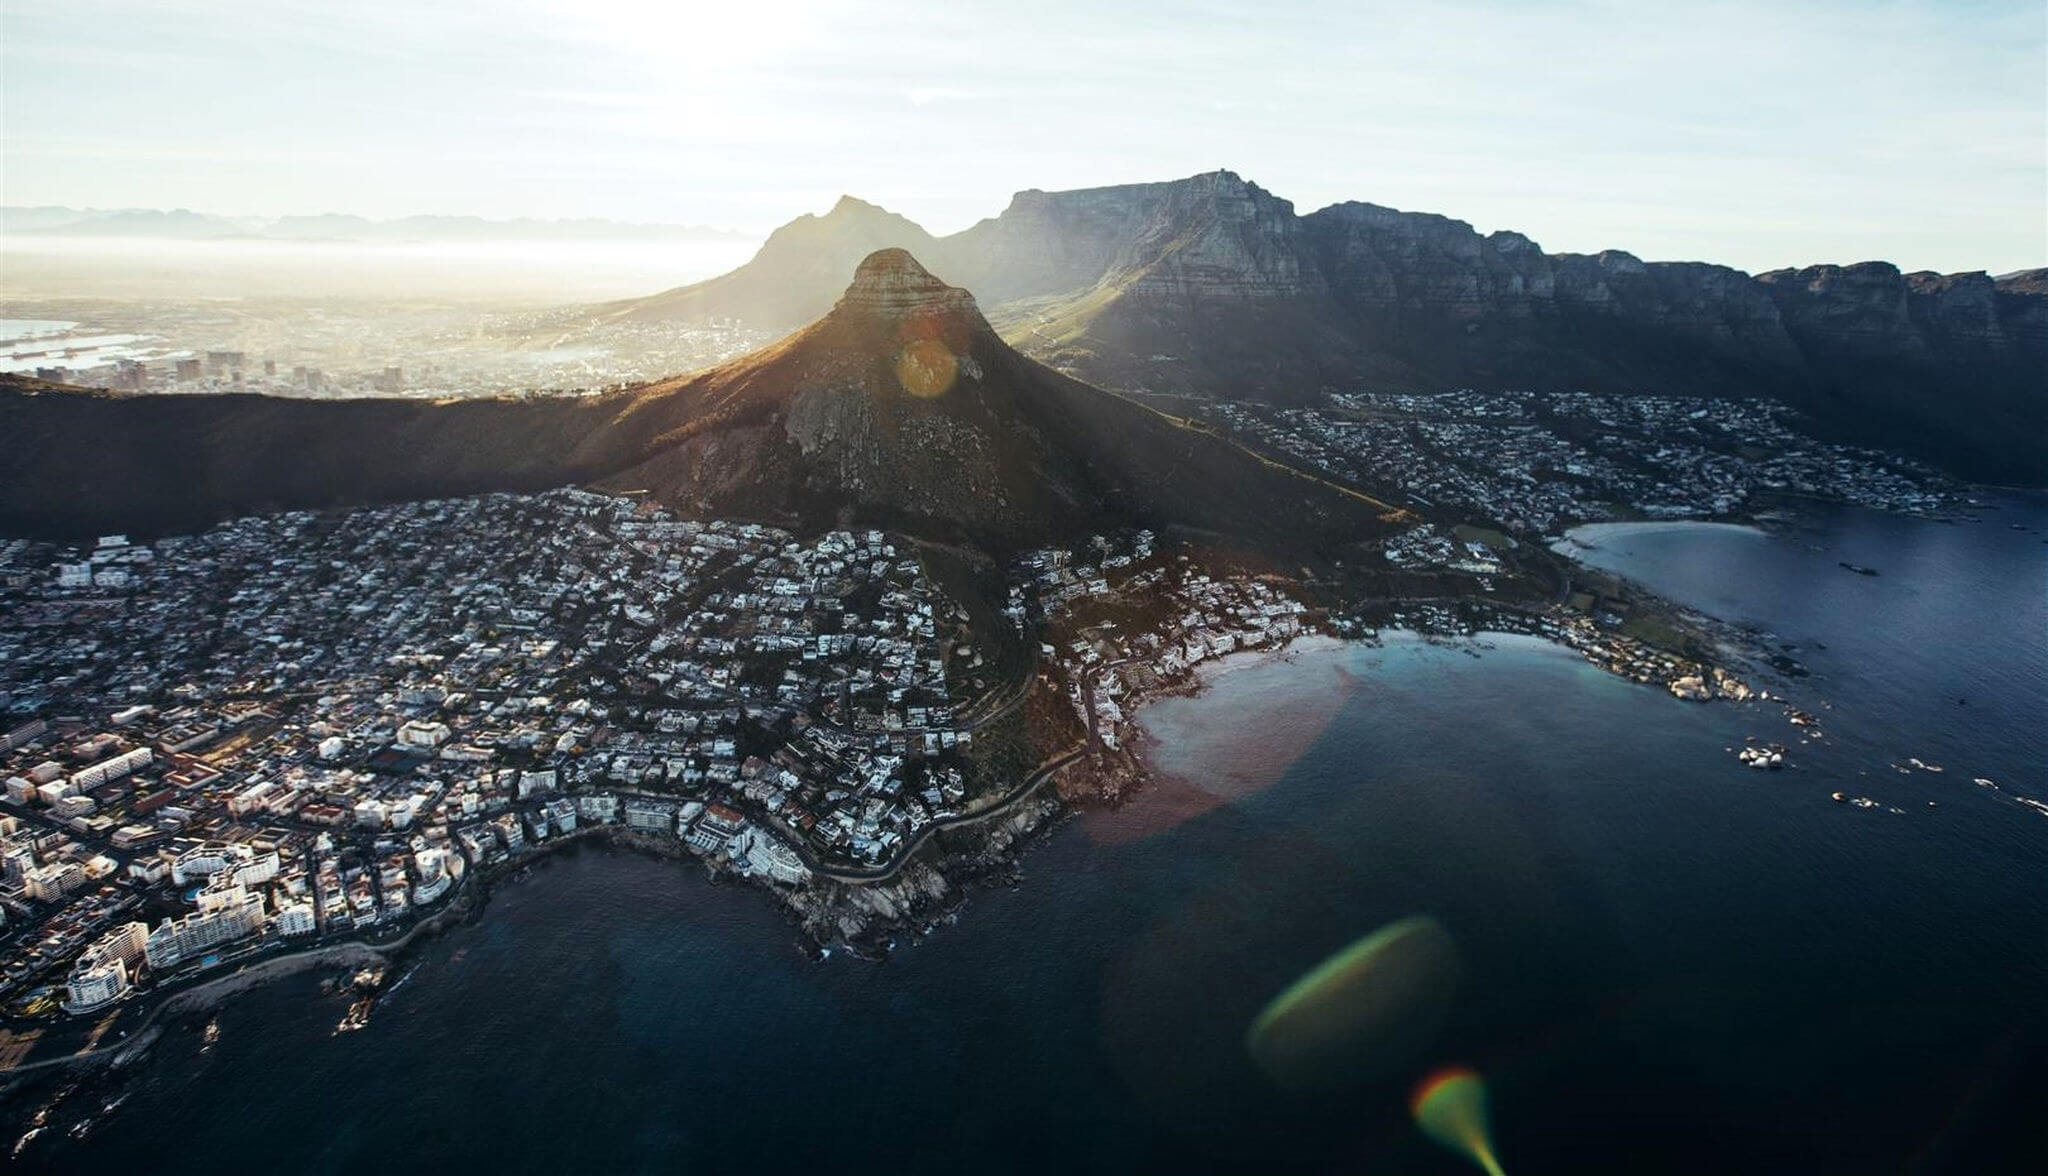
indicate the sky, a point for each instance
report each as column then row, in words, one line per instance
column 1755, row 134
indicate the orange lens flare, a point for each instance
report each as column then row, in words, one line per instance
column 1450, row 1107
column 926, row 369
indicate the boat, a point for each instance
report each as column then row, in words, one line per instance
column 1859, row 569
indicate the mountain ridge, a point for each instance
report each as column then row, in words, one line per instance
column 1212, row 286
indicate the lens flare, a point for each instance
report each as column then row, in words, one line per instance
column 1450, row 1107
column 926, row 368
column 1364, row 1013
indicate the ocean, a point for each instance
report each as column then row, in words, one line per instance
column 1670, row 963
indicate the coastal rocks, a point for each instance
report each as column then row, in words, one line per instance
column 1690, row 687
column 1728, row 686
column 1710, row 684
column 1762, row 757
column 868, row 916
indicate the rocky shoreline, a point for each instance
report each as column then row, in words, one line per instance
column 869, row 918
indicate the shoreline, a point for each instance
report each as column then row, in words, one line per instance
column 916, row 905
column 922, row 889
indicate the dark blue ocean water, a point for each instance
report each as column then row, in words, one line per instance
column 1672, row 964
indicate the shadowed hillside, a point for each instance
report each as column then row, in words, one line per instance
column 900, row 407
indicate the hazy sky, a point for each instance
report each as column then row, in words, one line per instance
column 1758, row 133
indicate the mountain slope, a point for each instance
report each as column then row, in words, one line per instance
column 901, row 406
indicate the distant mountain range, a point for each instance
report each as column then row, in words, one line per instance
column 898, row 407
column 184, row 225
column 1211, row 285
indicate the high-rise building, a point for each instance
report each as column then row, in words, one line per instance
column 235, row 915
column 105, row 971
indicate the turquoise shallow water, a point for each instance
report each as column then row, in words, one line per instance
column 1672, row 964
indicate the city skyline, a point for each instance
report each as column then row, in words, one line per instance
column 1746, row 136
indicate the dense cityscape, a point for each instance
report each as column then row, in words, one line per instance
column 347, row 347
column 345, row 713
column 1539, row 462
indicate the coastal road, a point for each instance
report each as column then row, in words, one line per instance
column 882, row 873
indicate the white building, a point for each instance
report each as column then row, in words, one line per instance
column 244, row 866
column 423, row 736
column 111, row 769
column 237, row 916
column 756, row 851
column 52, row 882
column 105, row 971
column 294, row 918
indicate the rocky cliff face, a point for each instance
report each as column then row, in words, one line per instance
column 1852, row 309
column 1217, row 237
column 1048, row 242
column 2023, row 309
column 1212, row 235
column 1873, row 311
column 1710, row 303
column 1381, row 260
column 890, row 284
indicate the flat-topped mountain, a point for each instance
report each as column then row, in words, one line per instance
column 900, row 406
column 1211, row 285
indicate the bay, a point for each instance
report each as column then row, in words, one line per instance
column 1672, row 963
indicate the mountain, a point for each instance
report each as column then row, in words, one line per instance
column 902, row 405
column 1211, row 285
column 176, row 224
column 793, row 278
column 898, row 407
column 27, row 218
column 326, row 226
